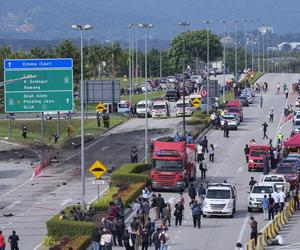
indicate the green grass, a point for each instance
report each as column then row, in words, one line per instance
column 34, row 129
column 257, row 75
column 140, row 97
column 125, row 82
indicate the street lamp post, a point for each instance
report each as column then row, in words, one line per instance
column 145, row 27
column 246, row 66
column 235, row 51
column 224, row 59
column 252, row 46
column 263, row 47
column 82, row 28
column 258, row 55
column 130, row 57
column 184, row 25
column 208, row 22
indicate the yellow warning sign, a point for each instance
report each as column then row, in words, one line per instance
column 98, row 169
column 100, row 107
column 196, row 102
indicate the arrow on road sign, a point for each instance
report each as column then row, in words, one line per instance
column 98, row 169
column 196, row 102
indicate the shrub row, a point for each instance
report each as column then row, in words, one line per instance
column 130, row 173
column 59, row 228
column 80, row 243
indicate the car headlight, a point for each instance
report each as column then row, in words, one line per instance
column 251, row 161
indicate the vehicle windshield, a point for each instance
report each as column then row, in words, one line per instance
column 167, row 165
column 274, row 179
column 229, row 117
column 123, row 106
column 180, row 105
column 141, row 106
column 257, row 153
column 218, row 194
column 285, row 170
column 289, row 160
column 159, row 107
column 262, row 190
column 297, row 123
column 233, row 111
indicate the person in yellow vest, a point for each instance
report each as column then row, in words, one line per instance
column 279, row 138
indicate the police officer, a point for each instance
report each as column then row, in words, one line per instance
column 98, row 117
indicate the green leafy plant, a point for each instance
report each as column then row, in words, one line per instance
column 50, row 241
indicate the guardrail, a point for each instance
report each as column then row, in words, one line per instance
column 273, row 227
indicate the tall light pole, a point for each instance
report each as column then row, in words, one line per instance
column 267, row 51
column 146, row 26
column 263, row 47
column 82, row 28
column 258, row 55
column 224, row 59
column 235, row 52
column 184, row 25
column 160, row 65
column 252, row 46
column 208, row 22
column 246, row 66
column 131, row 62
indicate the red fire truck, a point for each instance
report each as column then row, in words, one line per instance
column 174, row 165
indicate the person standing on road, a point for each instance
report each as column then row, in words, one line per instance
column 98, row 119
column 266, row 164
column 2, row 241
column 253, row 225
column 160, row 204
column 226, row 129
column 265, row 207
column 192, row 191
column 281, row 198
column 265, row 126
column 196, row 213
column 167, row 213
column 211, row 153
column 271, row 207
column 134, row 154
column 271, row 115
column 203, row 169
column 296, row 198
column 276, row 198
column 154, row 206
column 96, row 239
column 252, row 182
column 205, row 144
column 155, row 239
column 261, row 101
column 247, row 152
column 286, row 93
column 163, row 237
column 145, row 238
column 200, row 155
column 177, row 137
column 201, row 193
column 178, row 212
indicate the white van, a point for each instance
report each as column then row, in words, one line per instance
column 160, row 109
column 220, row 199
column 188, row 107
column 124, row 107
column 141, row 108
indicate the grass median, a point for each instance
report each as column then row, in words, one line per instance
column 50, row 126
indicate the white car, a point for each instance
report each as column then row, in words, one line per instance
column 278, row 180
column 188, row 108
column 160, row 109
column 231, row 120
column 197, row 79
column 257, row 194
column 141, row 108
column 172, row 79
column 220, row 199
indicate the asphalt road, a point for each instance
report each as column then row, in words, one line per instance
column 30, row 202
column 223, row 233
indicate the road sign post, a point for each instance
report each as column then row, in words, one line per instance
column 50, row 90
column 98, row 170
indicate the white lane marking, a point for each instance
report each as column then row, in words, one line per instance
column 14, row 203
column 38, row 246
column 65, row 202
column 243, row 228
column 104, row 148
column 240, row 169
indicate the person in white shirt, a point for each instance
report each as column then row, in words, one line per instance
column 281, row 199
column 146, row 193
column 275, row 196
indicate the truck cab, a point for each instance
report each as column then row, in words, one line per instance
column 124, row 107
column 220, row 200
column 255, row 156
column 174, row 164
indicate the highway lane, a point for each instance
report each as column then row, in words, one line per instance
column 223, row 233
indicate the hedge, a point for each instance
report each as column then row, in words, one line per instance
column 80, row 243
column 127, row 196
column 59, row 228
column 130, row 173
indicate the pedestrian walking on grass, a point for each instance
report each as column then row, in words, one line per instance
column 253, row 225
column 265, row 127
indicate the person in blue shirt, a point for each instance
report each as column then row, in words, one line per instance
column 177, row 137
column 265, row 207
column 189, row 139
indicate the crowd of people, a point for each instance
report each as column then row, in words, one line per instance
column 13, row 241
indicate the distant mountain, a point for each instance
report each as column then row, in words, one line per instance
column 40, row 19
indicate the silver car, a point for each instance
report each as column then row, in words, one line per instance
column 296, row 126
column 232, row 121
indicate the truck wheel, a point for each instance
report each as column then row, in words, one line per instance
column 249, row 209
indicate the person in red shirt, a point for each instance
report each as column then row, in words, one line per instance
column 2, row 241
